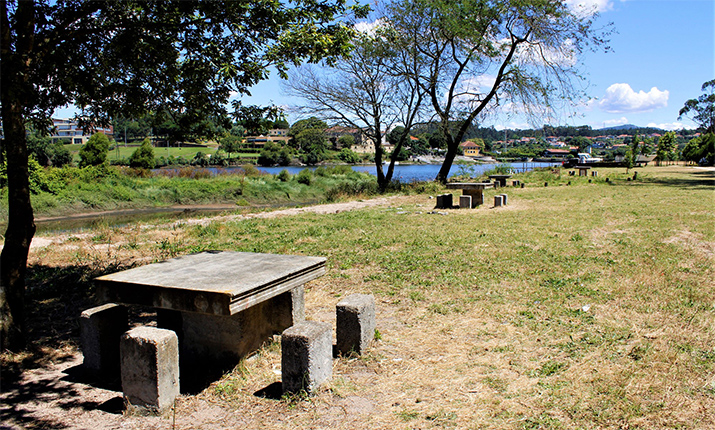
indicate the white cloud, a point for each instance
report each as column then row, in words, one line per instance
column 621, row 98
column 564, row 55
column 369, row 27
column 477, row 83
column 589, row 7
column 613, row 122
column 668, row 125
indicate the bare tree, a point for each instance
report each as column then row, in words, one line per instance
column 482, row 54
column 373, row 90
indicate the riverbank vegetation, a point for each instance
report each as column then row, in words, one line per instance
column 587, row 303
column 67, row 190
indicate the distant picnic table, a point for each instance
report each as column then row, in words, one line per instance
column 473, row 189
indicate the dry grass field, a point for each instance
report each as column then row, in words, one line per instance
column 580, row 305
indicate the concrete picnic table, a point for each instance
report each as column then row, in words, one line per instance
column 221, row 304
column 473, row 189
column 500, row 179
column 582, row 170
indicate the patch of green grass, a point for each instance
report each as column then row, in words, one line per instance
column 408, row 415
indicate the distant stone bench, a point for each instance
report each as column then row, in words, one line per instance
column 583, row 170
column 500, row 179
column 473, row 189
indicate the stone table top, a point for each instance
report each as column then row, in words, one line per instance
column 469, row 185
column 500, row 176
column 212, row 282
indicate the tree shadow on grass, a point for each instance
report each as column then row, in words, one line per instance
column 54, row 299
column 20, row 400
column 696, row 180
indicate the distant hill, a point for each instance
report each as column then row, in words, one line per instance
column 621, row 127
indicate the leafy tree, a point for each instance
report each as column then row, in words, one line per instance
column 133, row 128
column 218, row 158
column 395, row 135
column 183, row 56
column 256, row 120
column 305, row 124
column 143, row 157
column 313, row 143
column 200, row 159
column 346, row 141
column 666, row 147
column 629, row 159
column 581, row 142
column 421, row 146
column 701, row 149
column 230, row 143
column 94, row 152
column 647, row 146
column 372, row 90
column 273, row 153
column 349, row 156
column 527, row 47
column 281, row 123
column 702, row 109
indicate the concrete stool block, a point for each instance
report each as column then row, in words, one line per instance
column 444, row 201
column 306, row 356
column 465, row 202
column 100, row 331
column 355, row 322
column 150, row 369
column 498, row 200
column 504, row 199
column 594, row 173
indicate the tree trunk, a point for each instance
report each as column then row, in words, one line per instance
column 20, row 230
column 21, row 225
column 443, row 173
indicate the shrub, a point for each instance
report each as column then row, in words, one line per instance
column 250, row 170
column 304, row 177
column 218, row 159
column 143, row 157
column 200, row 159
column 283, row 176
column 348, row 156
column 94, row 152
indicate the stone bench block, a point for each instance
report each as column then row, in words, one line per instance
column 306, row 356
column 150, row 369
column 444, row 201
column 355, row 323
column 465, row 202
column 505, row 199
column 100, row 331
column 498, row 200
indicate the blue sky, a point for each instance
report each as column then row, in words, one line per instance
column 662, row 53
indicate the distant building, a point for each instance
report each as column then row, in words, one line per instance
column 69, row 129
column 470, row 149
column 363, row 144
column 274, row 135
column 556, row 153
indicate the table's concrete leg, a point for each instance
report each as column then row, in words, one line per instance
column 226, row 339
column 477, row 197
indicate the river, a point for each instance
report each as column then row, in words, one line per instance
column 412, row 172
column 403, row 172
